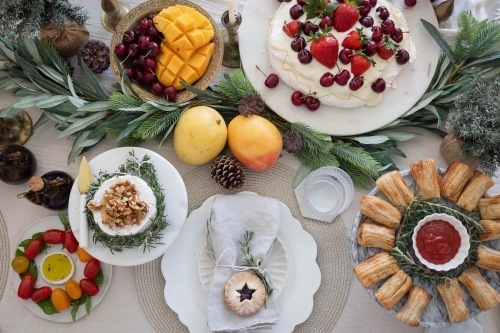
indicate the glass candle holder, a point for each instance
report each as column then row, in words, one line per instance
column 327, row 192
column 231, row 57
column 15, row 129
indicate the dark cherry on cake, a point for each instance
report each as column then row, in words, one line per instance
column 312, row 103
column 272, row 79
column 410, row 3
column 378, row 86
column 297, row 98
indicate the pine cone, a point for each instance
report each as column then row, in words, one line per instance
column 292, row 143
column 67, row 61
column 251, row 104
column 95, row 54
column 227, row 172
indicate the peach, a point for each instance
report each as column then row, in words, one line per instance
column 254, row 141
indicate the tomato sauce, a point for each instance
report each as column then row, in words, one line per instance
column 438, row 241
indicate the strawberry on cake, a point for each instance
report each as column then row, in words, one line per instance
column 342, row 54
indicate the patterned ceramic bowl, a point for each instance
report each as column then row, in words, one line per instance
column 463, row 250
column 155, row 6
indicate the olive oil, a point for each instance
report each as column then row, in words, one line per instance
column 56, row 267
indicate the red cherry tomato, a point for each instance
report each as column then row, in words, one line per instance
column 89, row 287
column 70, row 242
column 92, row 268
column 54, row 236
column 34, row 247
column 26, row 286
column 41, row 293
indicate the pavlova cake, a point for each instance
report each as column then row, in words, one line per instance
column 341, row 54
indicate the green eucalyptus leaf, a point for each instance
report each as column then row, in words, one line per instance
column 162, row 107
column 441, row 42
column 54, row 75
column 94, row 82
column 425, row 100
column 8, row 111
column 370, row 140
column 444, row 66
column 29, row 101
column 52, row 101
column 31, row 48
column 127, row 130
column 83, row 123
column 202, row 94
column 95, row 107
column 77, row 149
column 434, row 111
column 397, row 135
column 77, row 101
column 9, row 53
column 301, row 175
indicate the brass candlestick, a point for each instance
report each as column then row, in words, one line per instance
column 113, row 12
column 230, row 38
column 15, row 129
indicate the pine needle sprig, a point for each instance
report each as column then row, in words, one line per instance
column 250, row 262
column 416, row 211
column 157, row 123
column 357, row 157
column 235, row 86
column 317, row 147
column 118, row 101
column 146, row 239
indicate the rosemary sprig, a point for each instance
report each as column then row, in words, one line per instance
column 145, row 170
column 404, row 253
column 250, row 262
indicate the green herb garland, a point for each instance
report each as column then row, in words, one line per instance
column 35, row 73
column 145, row 170
column 404, row 253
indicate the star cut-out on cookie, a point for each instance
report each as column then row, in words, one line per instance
column 246, row 293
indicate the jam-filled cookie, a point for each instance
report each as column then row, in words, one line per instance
column 244, row 293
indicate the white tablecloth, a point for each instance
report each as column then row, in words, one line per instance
column 120, row 310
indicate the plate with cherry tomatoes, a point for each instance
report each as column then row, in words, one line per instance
column 53, row 276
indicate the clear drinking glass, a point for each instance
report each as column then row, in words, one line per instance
column 328, row 191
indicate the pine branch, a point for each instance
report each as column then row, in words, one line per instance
column 235, row 86
column 357, row 157
column 358, row 178
column 317, row 147
column 157, row 123
column 119, row 101
column 130, row 141
column 113, row 133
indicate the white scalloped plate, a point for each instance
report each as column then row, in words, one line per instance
column 277, row 266
column 184, row 293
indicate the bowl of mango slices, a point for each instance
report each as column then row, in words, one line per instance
column 161, row 43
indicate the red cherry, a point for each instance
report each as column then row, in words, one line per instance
column 326, row 21
column 156, row 88
column 383, row 13
column 410, row 3
column 378, row 86
column 148, row 76
column 402, row 57
column 301, row 2
column 366, row 7
column 138, row 75
column 152, row 32
column 370, row 48
column 272, row 80
column 297, row 98
column 310, row 28
column 366, row 21
column 120, row 50
column 397, row 35
column 145, row 24
column 129, row 37
column 153, row 49
column 298, row 44
column 169, row 93
column 296, row 11
column 326, row 80
column 377, row 33
column 356, row 83
column 143, row 42
column 312, row 103
column 305, row 56
column 150, row 62
column 342, row 77
column 151, row 16
column 388, row 26
column 129, row 72
column 345, row 56
column 373, row 2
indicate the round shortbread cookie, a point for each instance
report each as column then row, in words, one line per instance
column 244, row 293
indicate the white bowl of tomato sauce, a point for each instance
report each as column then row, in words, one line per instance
column 441, row 242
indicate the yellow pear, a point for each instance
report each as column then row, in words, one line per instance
column 200, row 135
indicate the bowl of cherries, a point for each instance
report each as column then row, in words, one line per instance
column 137, row 43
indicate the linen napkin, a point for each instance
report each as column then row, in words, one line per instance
column 230, row 217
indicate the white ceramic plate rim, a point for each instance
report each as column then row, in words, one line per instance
column 184, row 293
column 176, row 204
column 337, row 121
column 207, row 264
column 463, row 251
column 53, row 222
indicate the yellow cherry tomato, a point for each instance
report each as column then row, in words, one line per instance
column 83, row 255
column 60, row 299
column 20, row 264
column 73, row 289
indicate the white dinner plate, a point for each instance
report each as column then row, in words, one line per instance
column 412, row 81
column 176, row 204
column 434, row 314
column 276, row 266
column 184, row 292
column 53, row 222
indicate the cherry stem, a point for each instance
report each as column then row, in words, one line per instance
column 128, row 55
column 260, row 70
